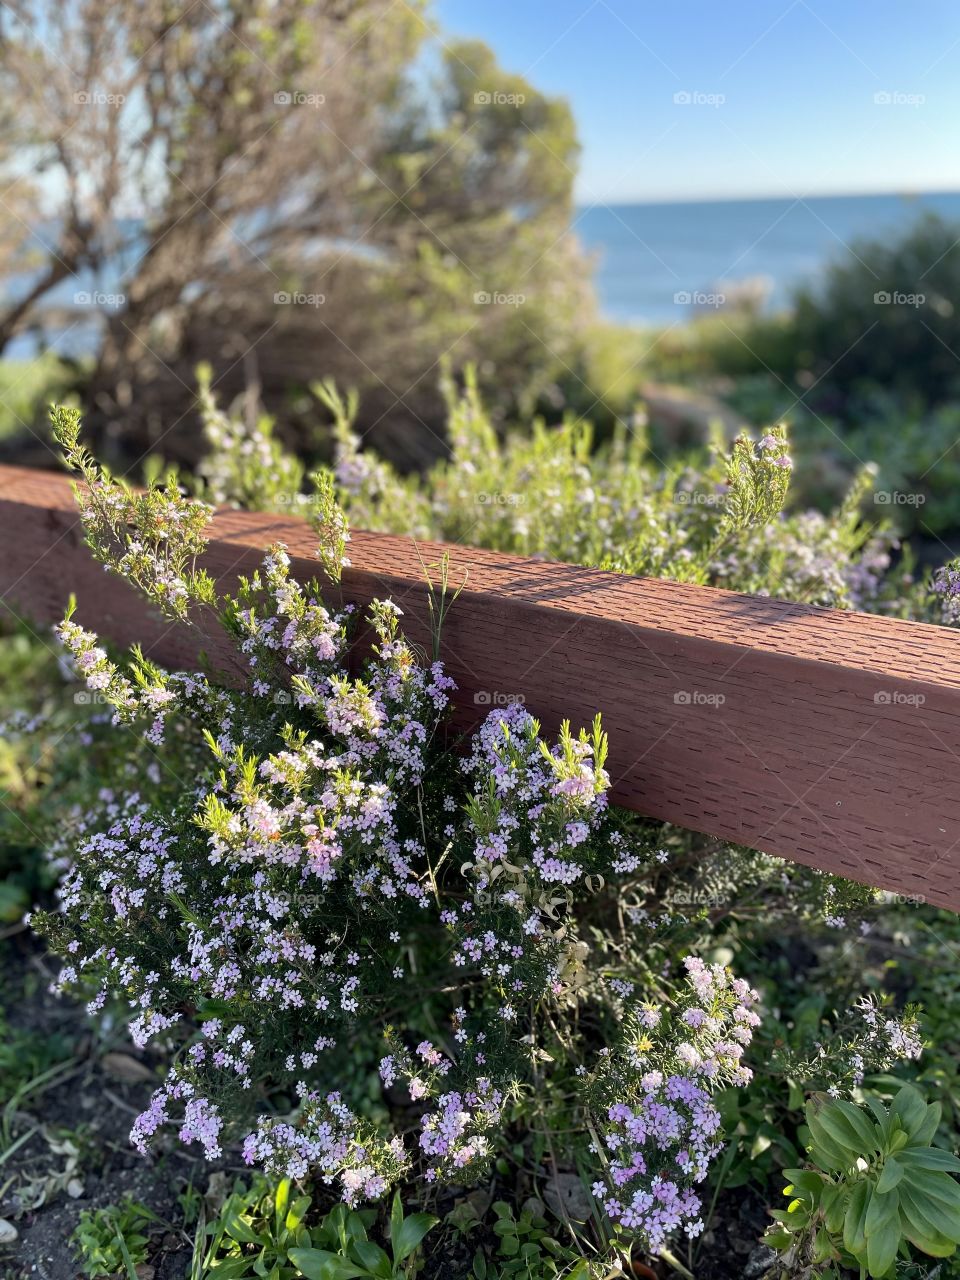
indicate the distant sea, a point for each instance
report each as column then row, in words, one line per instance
column 655, row 263
column 650, row 254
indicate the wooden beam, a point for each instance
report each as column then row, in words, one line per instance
column 827, row 737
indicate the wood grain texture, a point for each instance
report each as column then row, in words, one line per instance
column 827, row 737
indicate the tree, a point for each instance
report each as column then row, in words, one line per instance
column 301, row 188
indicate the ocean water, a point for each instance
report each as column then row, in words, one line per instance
column 656, row 263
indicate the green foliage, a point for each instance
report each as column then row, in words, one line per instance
column 253, row 1234
column 549, row 492
column 152, row 538
column 245, row 466
column 26, row 389
column 886, row 315
column 342, row 1250
column 113, row 1240
column 526, row 1250
column 876, row 1185
column 758, row 477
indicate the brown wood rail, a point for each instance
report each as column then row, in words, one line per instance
column 831, row 738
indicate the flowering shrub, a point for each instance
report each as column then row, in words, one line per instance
column 298, row 869
column 552, row 493
column 326, row 862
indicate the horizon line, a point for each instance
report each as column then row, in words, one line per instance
column 910, row 193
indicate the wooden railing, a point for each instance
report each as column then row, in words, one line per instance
column 827, row 737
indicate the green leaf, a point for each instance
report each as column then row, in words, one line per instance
column 937, row 1186
column 411, row 1232
column 281, row 1198
column 832, row 1205
column 910, row 1109
column 890, row 1176
column 862, row 1128
column 373, row 1258
column 924, row 1135
column 884, row 1118
column 936, row 1246
column 883, row 1242
column 927, row 1216
column 297, row 1212
column 854, row 1238
column 806, row 1180
column 929, row 1158
column 829, row 1152
column 883, row 1206
column 396, row 1221
column 318, row 1264
column 237, row 1225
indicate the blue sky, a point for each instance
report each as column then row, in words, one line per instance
column 783, row 91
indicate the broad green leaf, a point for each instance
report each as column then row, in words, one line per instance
column 891, row 1175
column 938, row 1186
column 230, row 1269
column 910, row 1108
column 826, row 1117
column 931, row 1123
column 805, row 1179
column 928, row 1216
column 853, row 1222
column 319, row 1264
column 929, row 1158
column 936, row 1246
column 884, row 1119
column 883, row 1242
column 412, row 1230
column 862, row 1128
column 883, row 1206
column 297, row 1212
column 281, row 1199
column 396, row 1221
column 826, row 1153
column 832, row 1205
column 373, row 1258
column 823, row 1246
column 237, row 1226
